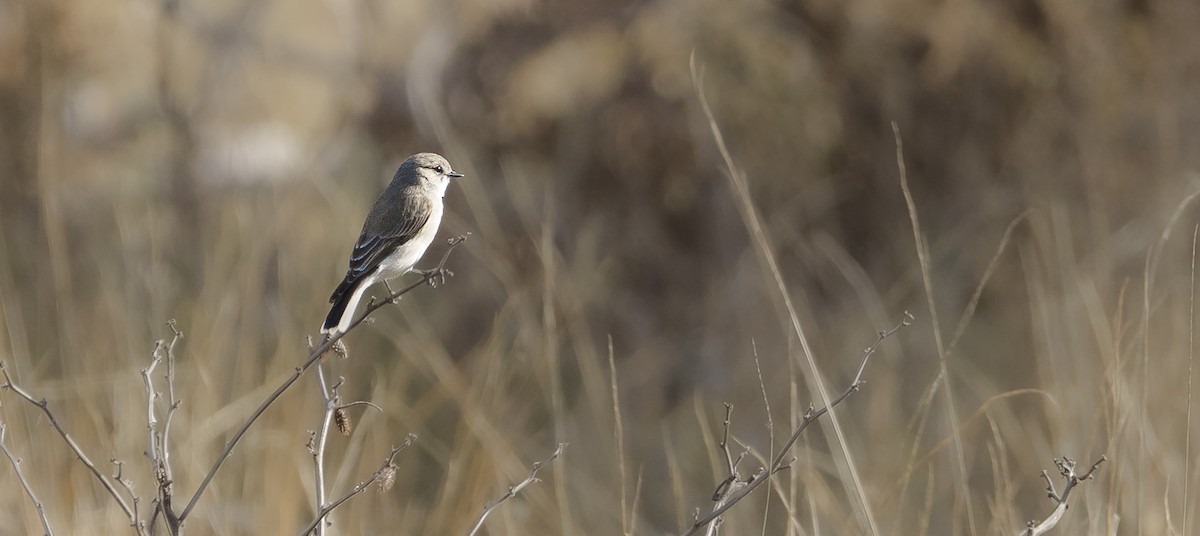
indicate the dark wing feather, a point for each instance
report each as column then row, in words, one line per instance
column 385, row 230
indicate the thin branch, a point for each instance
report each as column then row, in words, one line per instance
column 329, row 401
column 735, row 489
column 1066, row 468
column 172, row 402
column 426, row 278
column 16, row 465
column 45, row 407
column 360, row 403
column 128, row 485
column 514, row 490
column 158, row 446
column 384, row 475
column 733, row 482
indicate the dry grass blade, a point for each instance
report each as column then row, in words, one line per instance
column 1150, row 269
column 754, row 225
column 949, row 439
column 927, row 279
column 972, row 303
column 618, row 436
column 1187, row 435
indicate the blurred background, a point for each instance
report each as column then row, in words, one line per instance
column 212, row 162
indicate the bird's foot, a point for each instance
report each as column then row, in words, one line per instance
column 436, row 276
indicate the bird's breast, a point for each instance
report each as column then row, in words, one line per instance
column 406, row 256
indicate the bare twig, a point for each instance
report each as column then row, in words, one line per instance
column 313, row 356
column 128, row 485
column 16, row 465
column 384, row 476
column 329, row 400
column 735, row 488
column 45, row 407
column 1066, row 468
column 734, row 481
column 172, row 402
column 158, row 441
column 514, row 490
column 360, row 403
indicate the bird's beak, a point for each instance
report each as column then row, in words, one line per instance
column 454, row 175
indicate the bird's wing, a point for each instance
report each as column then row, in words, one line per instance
column 382, row 235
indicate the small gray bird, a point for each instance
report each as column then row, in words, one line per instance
column 398, row 229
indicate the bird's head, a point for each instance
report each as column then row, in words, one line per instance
column 427, row 169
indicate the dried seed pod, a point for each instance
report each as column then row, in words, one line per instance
column 387, row 478
column 341, row 419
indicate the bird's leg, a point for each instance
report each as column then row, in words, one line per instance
column 391, row 293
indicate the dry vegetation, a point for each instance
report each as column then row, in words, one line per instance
column 626, row 276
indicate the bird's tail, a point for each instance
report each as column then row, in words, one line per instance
column 345, row 301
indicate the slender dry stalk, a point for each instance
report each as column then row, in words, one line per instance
column 1187, row 434
column 969, row 311
column 1149, row 271
column 762, row 386
column 16, row 465
column 915, row 431
column 637, row 496
column 927, row 507
column 927, row 279
column 550, row 351
column 675, row 473
column 916, row 426
column 514, row 490
column 948, row 440
column 618, row 436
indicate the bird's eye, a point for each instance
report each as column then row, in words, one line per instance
column 439, row 169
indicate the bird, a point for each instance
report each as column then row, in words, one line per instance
column 396, row 233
